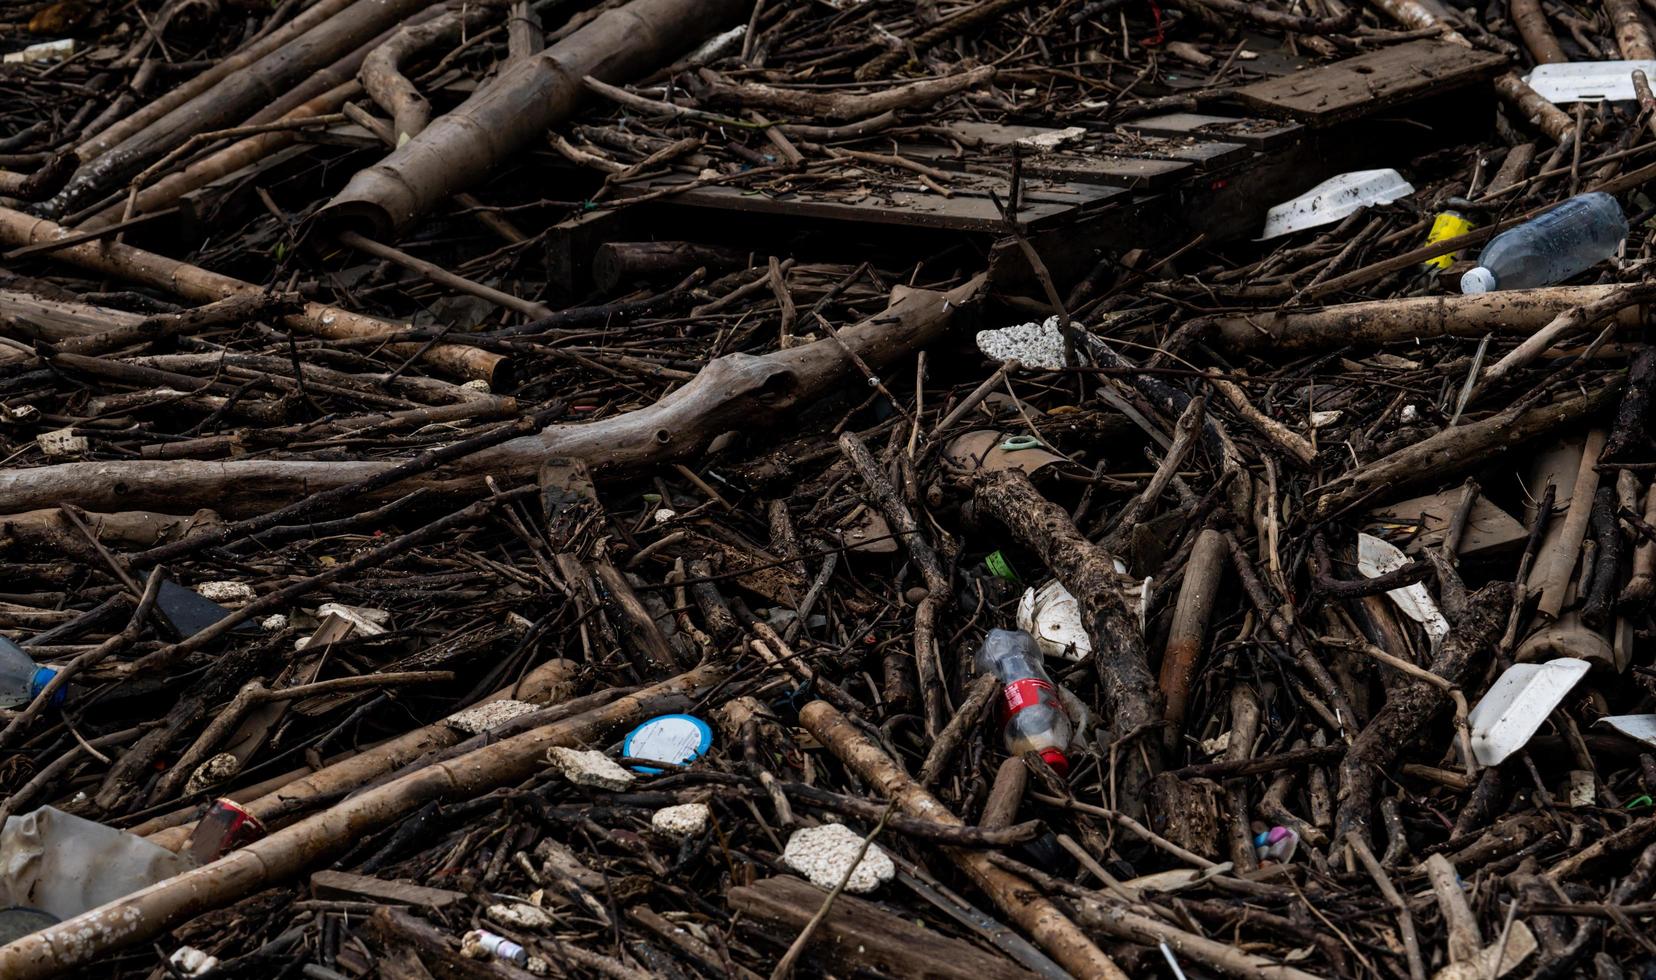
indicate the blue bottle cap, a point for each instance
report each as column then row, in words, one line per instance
column 678, row 739
column 37, row 683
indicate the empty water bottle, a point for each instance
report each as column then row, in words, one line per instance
column 21, row 678
column 1576, row 235
column 1032, row 714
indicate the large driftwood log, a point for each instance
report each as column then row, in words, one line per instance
column 92, row 936
column 459, row 148
column 733, row 392
column 1131, row 700
column 1403, row 320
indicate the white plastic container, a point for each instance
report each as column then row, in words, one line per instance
column 1588, row 81
column 1518, row 703
column 1335, row 198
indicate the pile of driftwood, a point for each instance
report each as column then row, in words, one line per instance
column 389, row 434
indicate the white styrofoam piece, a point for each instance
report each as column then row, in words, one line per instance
column 824, row 854
column 1517, row 704
column 1035, row 345
column 1376, row 557
column 1588, row 81
column 1640, row 727
column 1335, row 198
column 480, row 718
column 683, row 820
column 589, row 767
column 1053, row 617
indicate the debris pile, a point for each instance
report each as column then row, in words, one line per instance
column 695, row 488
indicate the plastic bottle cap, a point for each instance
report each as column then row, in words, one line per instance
column 37, row 683
column 1057, row 760
column 1479, row 280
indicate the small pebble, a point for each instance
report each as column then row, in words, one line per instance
column 823, row 854
column 275, row 622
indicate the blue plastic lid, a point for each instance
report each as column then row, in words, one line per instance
column 678, row 739
column 37, row 683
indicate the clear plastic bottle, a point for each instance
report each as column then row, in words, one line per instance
column 1032, row 714
column 1576, row 235
column 21, row 678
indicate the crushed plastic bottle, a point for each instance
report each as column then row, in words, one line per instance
column 1576, row 235
column 1448, row 224
column 21, row 678
column 1033, row 716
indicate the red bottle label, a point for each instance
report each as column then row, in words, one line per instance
column 1027, row 693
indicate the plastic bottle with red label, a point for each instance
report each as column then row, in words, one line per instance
column 1032, row 716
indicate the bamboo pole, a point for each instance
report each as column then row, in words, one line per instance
column 93, row 936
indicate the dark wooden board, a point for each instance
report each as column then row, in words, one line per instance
column 1108, row 170
column 1370, row 82
column 1099, row 142
column 963, row 212
column 859, row 933
column 1261, row 134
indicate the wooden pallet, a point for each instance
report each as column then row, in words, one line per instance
column 1212, row 172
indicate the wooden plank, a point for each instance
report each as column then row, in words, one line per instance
column 1370, row 82
column 1205, row 153
column 1261, row 134
column 342, row 884
column 963, row 212
column 859, row 933
column 1107, row 169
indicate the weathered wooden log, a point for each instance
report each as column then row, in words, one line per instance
column 92, row 936
column 734, row 392
column 1039, row 917
column 549, row 683
column 1426, row 317
column 528, row 96
column 1538, row 36
column 119, row 130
